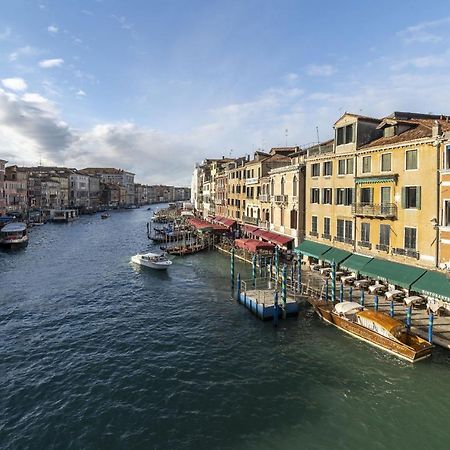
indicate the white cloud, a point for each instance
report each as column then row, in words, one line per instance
column 323, row 70
column 52, row 29
column 49, row 63
column 290, row 77
column 23, row 51
column 5, row 34
column 423, row 62
column 123, row 22
column 15, row 84
column 81, row 93
column 424, row 32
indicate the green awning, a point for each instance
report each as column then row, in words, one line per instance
column 434, row 284
column 314, row 249
column 356, row 262
column 395, row 273
column 335, row 254
column 379, row 179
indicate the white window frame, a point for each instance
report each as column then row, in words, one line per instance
column 404, row 238
column 362, row 163
column 418, row 162
column 381, row 162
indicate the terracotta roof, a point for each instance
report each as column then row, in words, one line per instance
column 105, row 170
column 358, row 116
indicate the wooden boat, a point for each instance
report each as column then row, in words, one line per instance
column 376, row 328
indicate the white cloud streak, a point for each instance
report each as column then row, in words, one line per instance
column 52, row 29
column 323, row 70
column 50, row 63
column 15, row 84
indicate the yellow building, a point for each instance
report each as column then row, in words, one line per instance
column 444, row 200
column 235, row 200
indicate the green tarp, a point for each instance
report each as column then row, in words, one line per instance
column 356, row 262
column 314, row 249
column 434, row 284
column 395, row 273
column 335, row 254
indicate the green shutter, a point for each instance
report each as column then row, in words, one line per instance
column 403, row 197
column 418, row 196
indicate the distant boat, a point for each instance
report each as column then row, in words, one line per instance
column 14, row 235
column 156, row 261
column 376, row 328
column 104, row 216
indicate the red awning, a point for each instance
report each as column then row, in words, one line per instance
column 276, row 238
column 201, row 224
column 228, row 222
column 253, row 245
column 249, row 229
column 258, row 232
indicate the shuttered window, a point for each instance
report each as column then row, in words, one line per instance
column 411, row 197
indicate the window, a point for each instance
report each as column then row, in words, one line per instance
column 385, row 235
column 367, row 164
column 328, row 168
column 350, row 165
column 447, row 213
column 348, row 230
column 272, row 187
column 410, row 238
column 447, row 158
column 340, row 228
column 344, row 196
column 341, row 167
column 315, row 194
column 327, row 196
column 326, row 226
column 366, row 195
column 365, row 232
column 411, row 159
column 385, row 195
column 282, row 217
column 293, row 219
column 411, row 197
column 314, row 224
column 315, row 170
column 294, row 186
column 386, row 162
column 282, row 186
column 345, row 135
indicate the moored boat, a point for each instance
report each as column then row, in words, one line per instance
column 14, row 235
column 376, row 328
column 104, row 216
column 156, row 261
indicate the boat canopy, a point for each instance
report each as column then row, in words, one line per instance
column 347, row 307
column 313, row 249
column 375, row 320
column 14, row 227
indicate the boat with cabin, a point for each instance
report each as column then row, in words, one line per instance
column 158, row 261
column 14, row 235
column 376, row 328
column 63, row 215
column 104, row 215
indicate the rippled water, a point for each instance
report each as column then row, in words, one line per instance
column 97, row 354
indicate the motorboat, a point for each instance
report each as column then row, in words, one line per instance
column 104, row 216
column 157, row 261
column 14, row 235
column 376, row 328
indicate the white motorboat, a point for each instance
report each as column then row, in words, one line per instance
column 14, row 234
column 157, row 261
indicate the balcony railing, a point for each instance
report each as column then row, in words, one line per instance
column 264, row 198
column 365, row 244
column 344, row 240
column 383, row 247
column 374, row 210
column 326, row 236
column 264, row 224
column 250, row 220
column 280, row 198
column 406, row 252
column 250, row 181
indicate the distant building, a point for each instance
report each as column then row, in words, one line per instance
column 2, row 187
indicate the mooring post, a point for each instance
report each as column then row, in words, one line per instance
column 254, row 271
column 362, row 297
column 277, row 265
column 375, row 302
column 391, row 312
column 408, row 317
column 260, row 265
column 333, row 284
column 341, row 292
column 350, row 294
column 284, row 289
column 271, row 267
column 232, row 270
column 292, row 276
column 430, row 327
column 299, row 273
column 326, row 290
column 275, row 308
column 238, row 296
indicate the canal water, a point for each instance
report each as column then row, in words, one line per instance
column 98, row 354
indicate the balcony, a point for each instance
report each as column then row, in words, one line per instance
column 326, row 236
column 250, row 181
column 280, row 199
column 374, row 210
column 250, row 220
column 406, row 252
column 264, row 198
column 383, row 247
column 343, row 240
column 365, row 244
column 264, row 225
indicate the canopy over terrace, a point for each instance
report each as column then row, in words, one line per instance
column 253, row 245
column 224, row 221
column 274, row 238
column 203, row 225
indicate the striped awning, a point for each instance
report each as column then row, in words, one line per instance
column 374, row 180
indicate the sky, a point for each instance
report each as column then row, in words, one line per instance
column 155, row 86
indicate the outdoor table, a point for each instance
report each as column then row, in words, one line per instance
column 348, row 279
column 376, row 288
column 396, row 293
column 362, row 284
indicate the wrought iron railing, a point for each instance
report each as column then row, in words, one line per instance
column 250, row 220
column 374, row 209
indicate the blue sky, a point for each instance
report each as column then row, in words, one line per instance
column 154, row 86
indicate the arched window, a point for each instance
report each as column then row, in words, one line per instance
column 294, row 186
column 272, row 187
column 282, row 186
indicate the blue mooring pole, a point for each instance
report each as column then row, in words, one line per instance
column 333, row 284
column 277, row 265
column 362, row 297
column 238, row 296
column 232, row 270
column 326, row 290
column 341, row 292
column 275, row 308
column 350, row 294
column 254, row 270
column 284, row 286
column 391, row 312
column 408, row 317
column 375, row 302
column 299, row 273
column 292, row 277
column 430, row 327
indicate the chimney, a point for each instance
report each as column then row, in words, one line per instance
column 437, row 129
